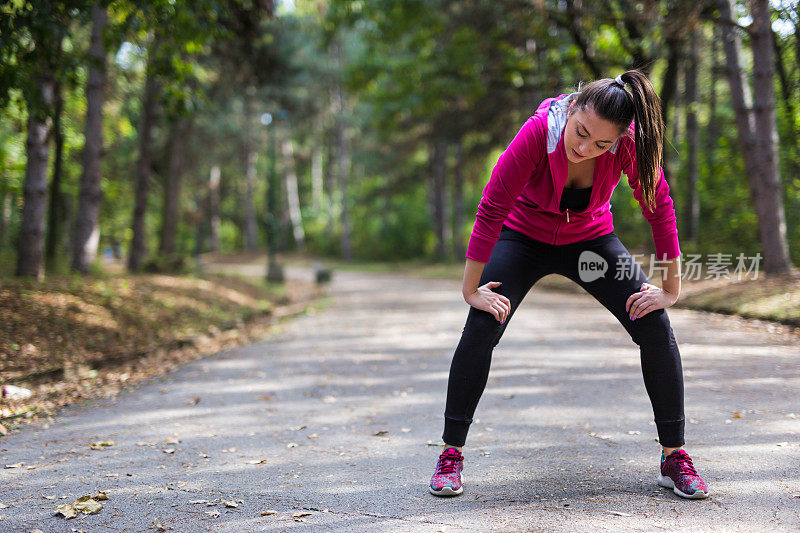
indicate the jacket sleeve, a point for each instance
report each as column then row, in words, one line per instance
column 662, row 219
column 513, row 169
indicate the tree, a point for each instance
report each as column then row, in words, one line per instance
column 31, row 34
column 758, row 135
column 86, row 234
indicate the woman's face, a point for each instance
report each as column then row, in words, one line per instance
column 586, row 135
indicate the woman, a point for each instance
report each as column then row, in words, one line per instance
column 546, row 210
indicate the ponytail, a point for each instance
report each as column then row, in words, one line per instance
column 649, row 132
column 620, row 104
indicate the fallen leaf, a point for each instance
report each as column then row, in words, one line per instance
column 168, row 450
column 213, row 514
column 3, row 430
column 172, row 440
column 198, row 501
column 3, row 506
column 67, row 510
column 737, row 415
column 782, row 444
column 161, row 527
column 312, row 436
column 257, row 462
column 298, row 428
column 620, row 513
column 329, row 399
column 100, row 444
column 230, row 503
column 268, row 512
column 84, row 504
column 292, row 445
column 194, row 400
column 87, row 505
column 15, row 465
column 380, row 432
column 299, row 514
column 100, row 495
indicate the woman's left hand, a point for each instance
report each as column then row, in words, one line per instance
column 649, row 298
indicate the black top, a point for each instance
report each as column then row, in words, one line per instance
column 575, row 199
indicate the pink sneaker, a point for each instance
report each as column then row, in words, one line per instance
column 678, row 474
column 447, row 479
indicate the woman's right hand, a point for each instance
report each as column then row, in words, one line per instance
column 485, row 299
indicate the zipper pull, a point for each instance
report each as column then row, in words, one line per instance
column 567, row 215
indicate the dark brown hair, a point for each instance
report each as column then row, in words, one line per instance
column 620, row 105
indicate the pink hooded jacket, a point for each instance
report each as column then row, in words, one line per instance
column 524, row 190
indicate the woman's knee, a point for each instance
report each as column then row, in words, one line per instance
column 651, row 328
column 482, row 326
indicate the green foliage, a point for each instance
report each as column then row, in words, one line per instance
column 411, row 72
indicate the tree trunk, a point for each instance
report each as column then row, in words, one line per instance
column 329, row 183
column 251, row 157
column 213, row 210
column 438, row 159
column 316, row 166
column 30, row 248
column 344, row 164
column 86, row 234
column 5, row 215
column 712, row 130
column 692, row 141
column 55, row 213
column 344, row 178
column 144, row 166
column 172, row 184
column 757, row 131
column 292, row 195
column 459, row 247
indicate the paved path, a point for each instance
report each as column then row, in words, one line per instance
column 341, row 405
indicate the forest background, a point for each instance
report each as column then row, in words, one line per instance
column 157, row 131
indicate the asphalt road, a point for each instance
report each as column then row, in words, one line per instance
column 339, row 413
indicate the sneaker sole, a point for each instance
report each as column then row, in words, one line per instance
column 447, row 491
column 667, row 482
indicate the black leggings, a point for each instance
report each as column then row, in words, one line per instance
column 519, row 261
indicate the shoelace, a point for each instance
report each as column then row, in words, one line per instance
column 447, row 464
column 685, row 465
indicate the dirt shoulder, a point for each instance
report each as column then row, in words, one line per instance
column 69, row 339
